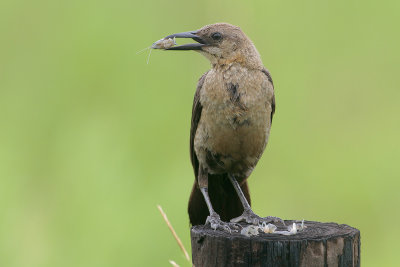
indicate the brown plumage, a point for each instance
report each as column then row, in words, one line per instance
column 231, row 118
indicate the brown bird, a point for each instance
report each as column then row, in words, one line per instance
column 231, row 120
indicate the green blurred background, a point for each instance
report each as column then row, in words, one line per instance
column 92, row 138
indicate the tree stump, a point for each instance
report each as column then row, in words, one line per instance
column 319, row 244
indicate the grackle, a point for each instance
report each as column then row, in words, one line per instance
column 231, row 120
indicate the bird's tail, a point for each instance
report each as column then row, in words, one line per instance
column 224, row 200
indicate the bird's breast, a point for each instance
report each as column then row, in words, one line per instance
column 235, row 120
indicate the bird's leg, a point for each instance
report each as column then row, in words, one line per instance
column 214, row 220
column 248, row 215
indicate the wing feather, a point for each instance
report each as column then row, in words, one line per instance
column 273, row 104
column 196, row 114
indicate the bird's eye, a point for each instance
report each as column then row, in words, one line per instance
column 216, row 36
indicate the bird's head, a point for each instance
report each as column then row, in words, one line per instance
column 222, row 44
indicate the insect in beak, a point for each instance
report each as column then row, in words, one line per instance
column 191, row 34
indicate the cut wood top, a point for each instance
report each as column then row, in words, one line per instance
column 312, row 231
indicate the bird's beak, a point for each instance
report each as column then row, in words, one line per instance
column 192, row 34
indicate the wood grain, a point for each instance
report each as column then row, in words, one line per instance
column 319, row 244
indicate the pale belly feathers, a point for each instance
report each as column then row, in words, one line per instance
column 235, row 120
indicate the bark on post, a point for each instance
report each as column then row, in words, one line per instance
column 319, row 244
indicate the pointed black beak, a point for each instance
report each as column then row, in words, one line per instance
column 192, row 34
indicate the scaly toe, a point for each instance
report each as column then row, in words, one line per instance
column 270, row 219
column 250, row 217
column 216, row 223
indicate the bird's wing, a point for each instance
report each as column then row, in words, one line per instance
column 196, row 114
column 266, row 72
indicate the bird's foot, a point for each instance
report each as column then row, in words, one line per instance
column 216, row 223
column 250, row 217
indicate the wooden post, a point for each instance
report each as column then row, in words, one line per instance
column 319, row 244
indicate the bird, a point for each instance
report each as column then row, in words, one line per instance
column 232, row 112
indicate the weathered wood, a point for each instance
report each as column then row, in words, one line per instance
column 319, row 244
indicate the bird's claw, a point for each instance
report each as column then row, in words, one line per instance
column 270, row 219
column 250, row 217
column 216, row 223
